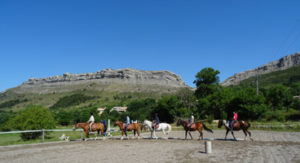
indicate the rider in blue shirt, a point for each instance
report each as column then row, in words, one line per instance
column 156, row 120
column 127, row 122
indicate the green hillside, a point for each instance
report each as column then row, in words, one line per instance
column 286, row 77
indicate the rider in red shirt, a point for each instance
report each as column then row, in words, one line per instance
column 235, row 118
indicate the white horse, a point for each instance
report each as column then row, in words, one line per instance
column 162, row 126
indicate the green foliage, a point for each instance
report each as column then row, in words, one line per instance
column 32, row 118
column 71, row 100
column 295, row 89
column 64, row 117
column 4, row 117
column 279, row 96
column 140, row 109
column 72, row 116
column 206, row 82
column 285, row 77
column 11, row 103
column 166, row 109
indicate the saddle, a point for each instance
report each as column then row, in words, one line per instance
column 93, row 126
column 192, row 125
column 129, row 127
column 156, row 126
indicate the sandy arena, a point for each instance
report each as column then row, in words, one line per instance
column 267, row 146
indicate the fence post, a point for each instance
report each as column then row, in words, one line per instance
column 208, row 147
column 43, row 135
column 108, row 132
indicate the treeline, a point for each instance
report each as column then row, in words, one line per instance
column 208, row 102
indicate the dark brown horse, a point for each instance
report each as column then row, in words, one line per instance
column 195, row 126
column 238, row 125
column 99, row 127
column 131, row 127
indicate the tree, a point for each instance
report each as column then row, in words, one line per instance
column 279, row 96
column 32, row 118
column 140, row 109
column 206, row 82
column 166, row 109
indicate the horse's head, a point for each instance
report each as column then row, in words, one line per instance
column 75, row 126
column 220, row 123
column 148, row 123
column 117, row 123
column 179, row 122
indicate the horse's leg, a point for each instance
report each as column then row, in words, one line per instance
column 226, row 134
column 233, row 135
column 164, row 132
column 154, row 134
column 138, row 134
column 249, row 135
column 201, row 134
column 245, row 135
column 97, row 134
column 151, row 134
column 122, row 135
column 190, row 135
column 185, row 134
column 86, row 135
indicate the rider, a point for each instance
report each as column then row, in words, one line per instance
column 191, row 121
column 234, row 119
column 127, row 122
column 156, row 120
column 91, row 121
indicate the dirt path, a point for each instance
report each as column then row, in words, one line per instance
column 267, row 147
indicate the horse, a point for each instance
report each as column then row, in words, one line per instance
column 99, row 127
column 131, row 127
column 238, row 125
column 142, row 126
column 196, row 126
column 161, row 126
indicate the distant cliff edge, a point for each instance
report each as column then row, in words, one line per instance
column 281, row 64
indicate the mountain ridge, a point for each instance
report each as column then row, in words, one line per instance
column 277, row 65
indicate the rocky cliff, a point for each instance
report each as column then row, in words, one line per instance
column 281, row 64
column 107, row 79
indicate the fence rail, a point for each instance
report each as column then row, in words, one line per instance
column 111, row 130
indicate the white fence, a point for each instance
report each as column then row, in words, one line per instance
column 108, row 131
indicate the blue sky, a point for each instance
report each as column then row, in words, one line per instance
column 47, row 38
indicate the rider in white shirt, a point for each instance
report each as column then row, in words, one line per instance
column 191, row 121
column 91, row 121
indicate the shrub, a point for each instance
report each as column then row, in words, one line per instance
column 32, row 118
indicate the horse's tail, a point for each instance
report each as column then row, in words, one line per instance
column 169, row 129
column 207, row 129
column 248, row 126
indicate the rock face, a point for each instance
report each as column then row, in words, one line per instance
column 281, row 64
column 102, row 79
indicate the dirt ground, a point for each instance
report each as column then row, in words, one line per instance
column 266, row 147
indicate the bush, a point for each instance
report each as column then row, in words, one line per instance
column 277, row 115
column 32, row 118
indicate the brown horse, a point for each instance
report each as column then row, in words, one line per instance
column 142, row 126
column 196, row 126
column 131, row 127
column 99, row 127
column 238, row 125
